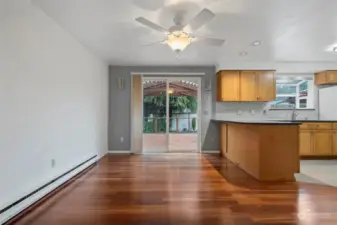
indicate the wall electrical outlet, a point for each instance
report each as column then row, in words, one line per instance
column 122, row 139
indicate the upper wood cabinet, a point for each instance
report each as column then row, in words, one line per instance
column 326, row 77
column 248, row 86
column 251, row 86
column 228, row 86
column 266, row 86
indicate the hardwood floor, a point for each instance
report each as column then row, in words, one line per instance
column 182, row 189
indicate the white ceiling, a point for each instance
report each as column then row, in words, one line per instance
column 290, row 30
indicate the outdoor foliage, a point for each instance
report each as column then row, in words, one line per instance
column 156, row 105
column 194, row 124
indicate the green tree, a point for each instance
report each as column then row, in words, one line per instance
column 156, row 105
column 194, row 124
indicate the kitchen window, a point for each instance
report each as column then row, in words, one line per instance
column 294, row 93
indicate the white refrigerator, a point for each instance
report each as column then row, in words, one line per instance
column 328, row 103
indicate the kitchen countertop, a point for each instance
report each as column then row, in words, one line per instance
column 263, row 122
column 316, row 121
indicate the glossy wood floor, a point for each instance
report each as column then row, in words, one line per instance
column 182, row 189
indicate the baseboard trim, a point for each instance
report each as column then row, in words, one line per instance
column 15, row 211
column 119, row 152
column 210, row 151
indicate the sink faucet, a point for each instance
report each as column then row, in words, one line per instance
column 294, row 114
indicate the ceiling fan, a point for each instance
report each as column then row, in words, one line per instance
column 177, row 36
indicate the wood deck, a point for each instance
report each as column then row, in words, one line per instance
column 184, row 189
column 180, row 142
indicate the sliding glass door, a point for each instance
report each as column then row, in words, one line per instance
column 155, row 137
column 183, row 107
column 170, row 115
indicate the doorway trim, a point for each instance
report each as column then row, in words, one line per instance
column 168, row 76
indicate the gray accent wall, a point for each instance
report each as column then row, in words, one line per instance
column 120, row 107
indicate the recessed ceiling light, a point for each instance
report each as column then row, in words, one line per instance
column 243, row 53
column 335, row 49
column 256, row 43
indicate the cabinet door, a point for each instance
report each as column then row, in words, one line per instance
column 223, row 139
column 334, row 143
column 230, row 85
column 248, row 86
column 320, row 78
column 306, row 142
column 218, row 87
column 323, row 142
column 266, row 86
column 331, row 77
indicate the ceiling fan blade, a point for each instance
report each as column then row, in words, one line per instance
column 154, row 43
column 150, row 24
column 201, row 19
column 209, row 41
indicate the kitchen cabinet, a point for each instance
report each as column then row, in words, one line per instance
column 223, row 139
column 334, row 139
column 266, row 86
column 334, row 126
column 228, row 86
column 242, row 86
column 318, row 139
column 268, row 152
column 248, row 86
column 326, row 77
column 334, row 143
column 306, row 142
column 322, row 142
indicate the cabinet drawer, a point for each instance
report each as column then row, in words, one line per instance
column 317, row 126
column 334, row 126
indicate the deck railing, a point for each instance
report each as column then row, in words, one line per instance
column 177, row 125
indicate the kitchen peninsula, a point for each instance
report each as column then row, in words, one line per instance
column 267, row 150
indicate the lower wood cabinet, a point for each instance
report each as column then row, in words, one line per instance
column 318, row 139
column 323, row 142
column 306, row 142
column 223, row 139
column 334, row 142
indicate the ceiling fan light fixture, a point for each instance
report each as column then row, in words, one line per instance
column 178, row 41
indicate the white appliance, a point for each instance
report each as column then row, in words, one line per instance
column 328, row 103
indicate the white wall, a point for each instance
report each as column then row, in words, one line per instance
column 53, row 100
column 327, row 103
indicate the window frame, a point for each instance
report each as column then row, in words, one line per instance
column 311, row 96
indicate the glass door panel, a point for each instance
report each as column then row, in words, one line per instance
column 154, row 116
column 183, row 121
